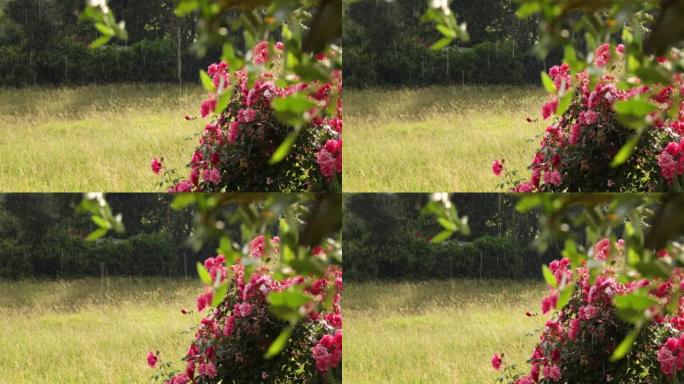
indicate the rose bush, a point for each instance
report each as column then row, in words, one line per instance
column 235, row 334
column 588, row 148
column 576, row 344
column 237, row 147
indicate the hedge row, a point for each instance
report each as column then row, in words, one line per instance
column 74, row 64
column 413, row 64
column 416, row 258
column 139, row 255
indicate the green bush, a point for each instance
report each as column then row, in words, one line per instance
column 415, row 257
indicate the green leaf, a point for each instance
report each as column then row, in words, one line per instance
column 565, row 295
column 96, row 234
column 527, row 203
column 297, row 103
column 528, row 9
column 279, row 343
column 223, row 101
column 441, row 43
column 203, row 274
column 635, row 107
column 290, row 299
column 549, row 277
column 446, row 31
column 284, row 149
column 447, row 224
column 625, row 345
column 637, row 301
column 548, row 83
column 183, row 200
column 100, row 41
column 565, row 102
column 219, row 294
column 102, row 223
column 186, row 6
column 440, row 237
column 625, row 152
column 207, row 82
column 104, row 29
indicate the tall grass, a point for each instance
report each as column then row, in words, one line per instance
column 437, row 138
column 91, row 331
column 98, row 138
column 436, row 332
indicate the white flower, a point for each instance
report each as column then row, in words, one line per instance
column 102, row 4
column 441, row 4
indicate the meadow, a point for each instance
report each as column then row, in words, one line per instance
column 100, row 137
column 437, row 332
column 438, row 138
column 92, row 331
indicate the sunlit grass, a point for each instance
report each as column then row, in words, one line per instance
column 94, row 138
column 437, row 138
column 92, row 331
column 437, row 332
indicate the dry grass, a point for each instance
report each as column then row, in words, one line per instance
column 436, row 332
column 91, row 331
column 437, row 138
column 94, row 138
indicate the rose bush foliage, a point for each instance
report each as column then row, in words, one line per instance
column 589, row 147
column 243, row 147
column 576, row 344
column 234, row 335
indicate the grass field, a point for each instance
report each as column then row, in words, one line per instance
column 437, row 138
column 95, row 138
column 90, row 331
column 437, row 332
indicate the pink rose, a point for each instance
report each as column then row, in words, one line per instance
column 156, row 166
column 553, row 178
column 497, row 167
column 151, row 359
column 496, row 362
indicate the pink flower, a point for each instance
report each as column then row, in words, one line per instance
column 496, row 362
column 497, row 167
column 620, row 48
column 588, row 312
column 328, row 352
column 244, row 309
column 553, row 178
column 246, row 115
column 588, row 117
column 256, row 246
column 151, row 359
column 212, row 176
column 549, row 302
column 333, row 146
column 208, row 106
column 575, row 132
column 524, row 188
column 229, row 327
column 203, row 300
column 601, row 250
column 280, row 46
column 156, row 166
column 667, row 166
column 574, row 329
column 181, row 378
column 233, row 132
column 260, row 53
column 208, row 369
column 549, row 108
column 602, row 55
column 552, row 372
